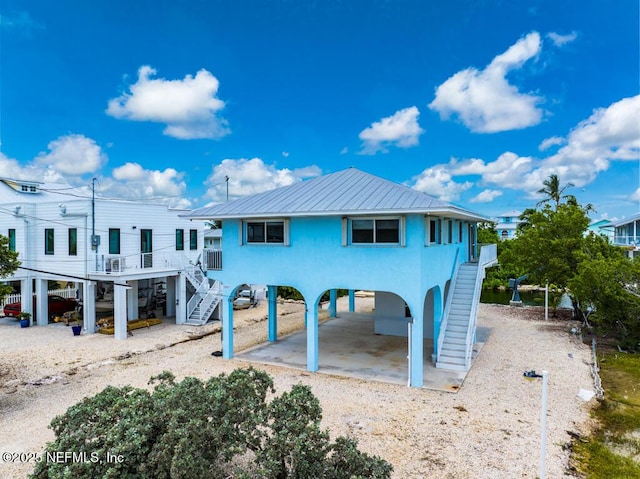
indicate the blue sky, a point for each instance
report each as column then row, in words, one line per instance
column 474, row 102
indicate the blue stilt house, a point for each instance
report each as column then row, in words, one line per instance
column 356, row 231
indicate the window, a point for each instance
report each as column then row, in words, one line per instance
column 73, row 241
column 48, row 241
column 504, row 234
column 179, row 240
column 434, row 231
column 449, row 231
column 114, row 241
column 193, row 239
column 265, row 232
column 12, row 239
column 459, row 231
column 374, row 230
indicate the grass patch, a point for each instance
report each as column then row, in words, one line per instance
column 613, row 451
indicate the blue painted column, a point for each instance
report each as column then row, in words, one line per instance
column 272, row 292
column 416, row 351
column 333, row 297
column 227, row 329
column 352, row 301
column 312, row 337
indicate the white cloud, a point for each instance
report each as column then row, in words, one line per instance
column 189, row 107
column 560, row 40
column 131, row 181
column 609, row 134
column 549, row 142
column 486, row 196
column 72, row 158
column 73, row 155
column 484, row 100
column 473, row 166
column 250, row 176
column 437, row 181
column 400, row 129
column 635, row 196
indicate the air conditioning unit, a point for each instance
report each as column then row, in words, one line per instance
column 115, row 265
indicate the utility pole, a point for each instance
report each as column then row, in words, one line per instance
column 94, row 239
column 226, row 179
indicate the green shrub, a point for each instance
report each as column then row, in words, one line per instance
column 223, row 427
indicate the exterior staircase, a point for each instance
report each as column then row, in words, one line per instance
column 205, row 298
column 458, row 329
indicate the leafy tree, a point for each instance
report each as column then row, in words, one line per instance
column 487, row 234
column 602, row 284
column 548, row 244
column 8, row 264
column 220, row 428
column 554, row 192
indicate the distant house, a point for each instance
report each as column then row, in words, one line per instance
column 507, row 224
column 127, row 252
column 355, row 231
column 213, row 238
column 626, row 234
column 602, row 227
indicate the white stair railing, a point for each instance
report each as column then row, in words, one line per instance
column 488, row 257
column 447, row 307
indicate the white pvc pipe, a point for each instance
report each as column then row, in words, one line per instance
column 546, row 302
column 543, row 426
column 409, row 354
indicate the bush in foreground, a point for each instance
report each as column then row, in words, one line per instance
column 221, row 428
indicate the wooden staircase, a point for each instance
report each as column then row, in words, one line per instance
column 205, row 298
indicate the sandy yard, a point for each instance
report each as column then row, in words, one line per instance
column 489, row 429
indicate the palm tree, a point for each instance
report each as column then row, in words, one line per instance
column 553, row 191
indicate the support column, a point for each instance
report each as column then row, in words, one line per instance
column 89, row 306
column 172, row 284
column 120, row 311
column 352, row 301
column 132, row 300
column 272, row 292
column 227, row 328
column 42, row 302
column 333, row 297
column 416, row 352
column 312, row 336
column 26, row 295
column 181, row 299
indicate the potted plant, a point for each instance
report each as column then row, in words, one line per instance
column 76, row 327
column 25, row 319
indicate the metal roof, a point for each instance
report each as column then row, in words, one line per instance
column 627, row 220
column 346, row 192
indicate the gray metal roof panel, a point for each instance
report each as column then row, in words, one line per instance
column 349, row 191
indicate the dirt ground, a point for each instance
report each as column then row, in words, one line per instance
column 489, row 429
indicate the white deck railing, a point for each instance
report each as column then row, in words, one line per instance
column 17, row 297
column 213, row 259
column 126, row 264
column 628, row 240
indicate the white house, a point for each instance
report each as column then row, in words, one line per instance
column 507, row 224
column 128, row 248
